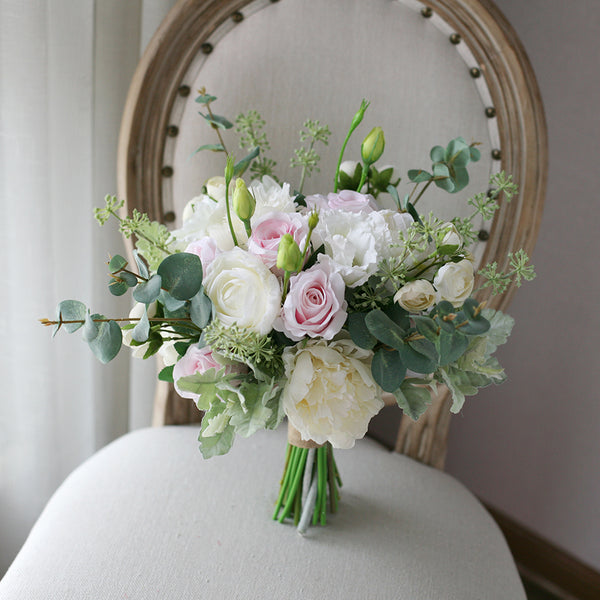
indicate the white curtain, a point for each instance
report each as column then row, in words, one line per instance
column 65, row 67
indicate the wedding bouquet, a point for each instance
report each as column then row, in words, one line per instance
column 267, row 303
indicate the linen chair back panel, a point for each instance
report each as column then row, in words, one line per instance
column 431, row 71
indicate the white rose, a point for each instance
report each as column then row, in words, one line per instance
column 330, row 394
column 243, row 291
column 454, row 281
column 416, row 296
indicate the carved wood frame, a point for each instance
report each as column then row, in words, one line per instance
column 504, row 65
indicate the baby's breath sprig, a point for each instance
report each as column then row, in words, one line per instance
column 307, row 158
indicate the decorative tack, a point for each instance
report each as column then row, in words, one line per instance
column 496, row 154
column 491, row 192
column 483, row 235
column 427, row 12
column 169, row 217
column 167, row 171
column 206, row 48
column 490, row 112
column 455, row 39
column 475, row 72
column 184, row 90
column 172, row 131
column 237, row 17
column 273, row 1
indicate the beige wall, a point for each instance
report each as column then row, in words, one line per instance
column 531, row 447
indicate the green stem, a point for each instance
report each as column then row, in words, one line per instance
column 286, row 281
column 363, row 176
column 216, row 128
column 355, row 123
column 235, row 242
column 141, row 235
column 421, row 192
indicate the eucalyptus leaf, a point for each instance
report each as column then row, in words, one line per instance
column 388, row 369
column 426, row 326
column 200, row 309
column 117, row 263
column 117, row 287
column 107, row 343
column 148, row 291
column 393, row 192
column 419, row 175
column 451, row 347
column 181, row 275
column 384, row 329
column 211, row 147
column 359, row 332
column 171, row 304
column 142, row 329
column 141, row 265
column 90, row 329
column 70, row 310
column 437, row 154
column 415, row 361
column 241, row 166
column 205, row 98
column 217, row 121
column 129, row 278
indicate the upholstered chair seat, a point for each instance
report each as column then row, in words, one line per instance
column 147, row 517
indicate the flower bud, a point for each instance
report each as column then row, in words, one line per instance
column 313, row 220
column 289, row 257
column 243, row 201
column 372, row 147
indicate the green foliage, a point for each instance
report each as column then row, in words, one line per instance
column 388, row 369
column 359, row 332
column 111, row 206
column 200, row 309
column 181, row 275
column 413, row 398
column 217, row 121
column 70, row 310
column 107, row 342
column 148, row 291
column 306, row 157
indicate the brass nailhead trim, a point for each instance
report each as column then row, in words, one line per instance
column 426, row 12
column 169, row 217
column 490, row 112
column 167, row 171
column 172, row 131
column 184, row 90
column 483, row 235
column 496, row 154
column 206, row 48
column 475, row 72
column 455, row 38
column 237, row 17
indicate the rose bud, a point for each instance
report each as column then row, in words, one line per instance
column 373, row 145
column 289, row 257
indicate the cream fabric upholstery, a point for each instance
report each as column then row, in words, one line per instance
column 147, row 517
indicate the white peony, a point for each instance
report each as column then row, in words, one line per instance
column 454, row 281
column 330, row 394
column 356, row 242
column 416, row 296
column 243, row 291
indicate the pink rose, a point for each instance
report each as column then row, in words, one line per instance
column 352, row 201
column 206, row 248
column 268, row 230
column 314, row 305
column 199, row 360
column 316, row 202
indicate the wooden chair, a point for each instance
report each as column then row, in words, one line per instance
column 147, row 517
